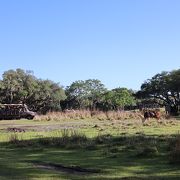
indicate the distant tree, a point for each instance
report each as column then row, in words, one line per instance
column 18, row 86
column 107, row 102
column 117, row 99
column 164, row 88
column 47, row 96
column 84, row 94
column 123, row 97
column 95, row 90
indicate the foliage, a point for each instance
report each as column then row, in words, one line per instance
column 92, row 94
column 164, row 88
column 84, row 94
column 18, row 86
column 122, row 97
column 117, row 99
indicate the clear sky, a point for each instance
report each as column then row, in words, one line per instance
column 120, row 42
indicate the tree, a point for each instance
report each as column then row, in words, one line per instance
column 164, row 88
column 123, row 97
column 117, row 99
column 106, row 102
column 47, row 96
column 84, row 94
column 18, row 86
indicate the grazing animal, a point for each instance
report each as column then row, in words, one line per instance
column 151, row 114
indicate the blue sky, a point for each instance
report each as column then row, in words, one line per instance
column 120, row 42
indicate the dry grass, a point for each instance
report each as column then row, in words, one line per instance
column 86, row 114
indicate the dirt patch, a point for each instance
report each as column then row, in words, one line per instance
column 44, row 127
column 66, row 169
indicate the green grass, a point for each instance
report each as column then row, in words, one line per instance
column 119, row 149
column 116, row 157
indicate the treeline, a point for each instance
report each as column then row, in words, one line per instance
column 92, row 94
column 19, row 86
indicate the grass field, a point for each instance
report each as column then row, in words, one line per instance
column 90, row 149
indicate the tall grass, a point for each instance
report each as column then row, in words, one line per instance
column 64, row 138
column 86, row 114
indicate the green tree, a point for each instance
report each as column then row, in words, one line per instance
column 117, row 99
column 106, row 102
column 47, row 96
column 18, row 86
column 164, row 88
column 84, row 94
column 123, row 97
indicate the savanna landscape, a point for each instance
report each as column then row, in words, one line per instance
column 85, row 131
column 89, row 90
column 79, row 145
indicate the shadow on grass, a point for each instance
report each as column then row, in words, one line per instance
column 110, row 157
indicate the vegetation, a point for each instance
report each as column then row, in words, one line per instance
column 87, row 114
column 92, row 94
column 92, row 138
column 117, row 99
column 84, row 94
column 90, row 149
column 18, row 86
column 163, row 88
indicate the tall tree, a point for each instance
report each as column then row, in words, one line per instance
column 18, row 86
column 84, row 94
column 164, row 88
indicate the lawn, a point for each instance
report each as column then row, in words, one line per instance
column 90, row 149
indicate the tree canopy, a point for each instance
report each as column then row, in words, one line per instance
column 92, row 94
column 164, row 88
column 18, row 86
column 117, row 99
column 84, row 94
